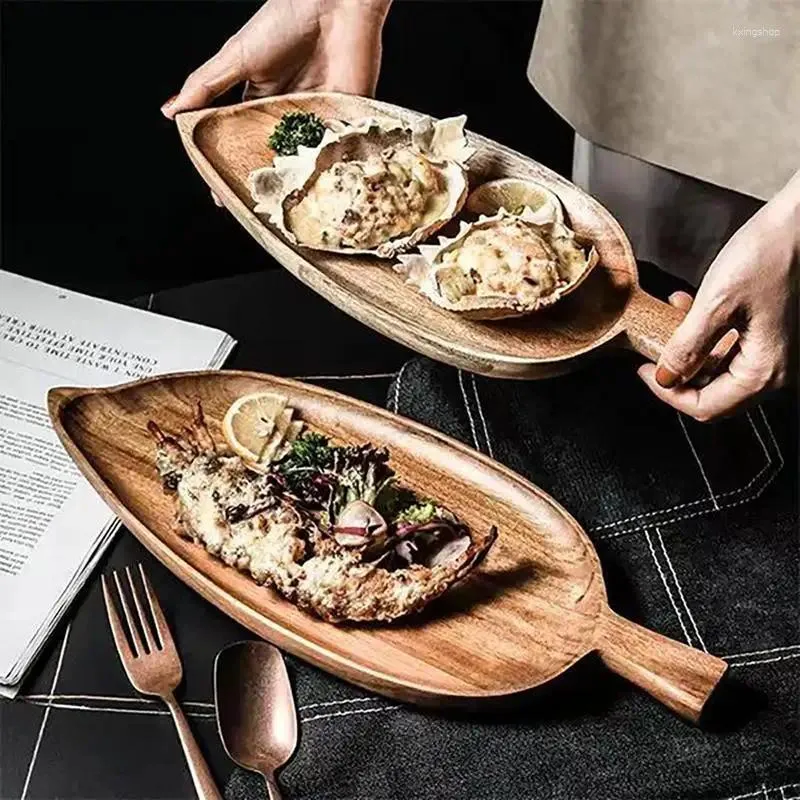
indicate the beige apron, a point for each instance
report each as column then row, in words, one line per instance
column 675, row 221
column 683, row 109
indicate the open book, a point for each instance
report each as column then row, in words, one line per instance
column 53, row 526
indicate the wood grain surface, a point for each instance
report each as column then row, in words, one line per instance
column 226, row 144
column 532, row 609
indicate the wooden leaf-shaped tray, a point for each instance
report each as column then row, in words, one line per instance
column 532, row 609
column 226, row 144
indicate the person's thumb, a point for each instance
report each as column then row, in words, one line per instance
column 690, row 345
column 216, row 76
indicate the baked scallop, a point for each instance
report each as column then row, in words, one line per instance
column 378, row 187
column 506, row 265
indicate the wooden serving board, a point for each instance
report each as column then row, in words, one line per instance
column 532, row 609
column 226, row 144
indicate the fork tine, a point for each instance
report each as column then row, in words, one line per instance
column 158, row 615
column 117, row 630
column 145, row 625
column 138, row 647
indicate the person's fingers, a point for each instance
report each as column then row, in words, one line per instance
column 724, row 395
column 216, row 76
column 694, row 339
column 719, row 358
column 681, row 300
column 720, row 355
column 254, row 90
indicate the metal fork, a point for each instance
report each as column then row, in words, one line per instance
column 154, row 667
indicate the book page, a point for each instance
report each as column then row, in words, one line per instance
column 87, row 341
column 36, row 475
column 50, row 516
column 51, row 520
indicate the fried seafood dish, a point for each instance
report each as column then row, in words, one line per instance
column 506, row 265
column 327, row 527
column 377, row 187
column 384, row 187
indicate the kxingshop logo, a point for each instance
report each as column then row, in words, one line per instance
column 757, row 33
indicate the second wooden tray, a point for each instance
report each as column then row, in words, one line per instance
column 536, row 605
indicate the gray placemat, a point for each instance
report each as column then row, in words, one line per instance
column 696, row 530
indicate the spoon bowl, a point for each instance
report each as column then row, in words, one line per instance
column 256, row 714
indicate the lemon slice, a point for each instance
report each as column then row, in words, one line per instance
column 294, row 430
column 514, row 194
column 283, row 425
column 251, row 423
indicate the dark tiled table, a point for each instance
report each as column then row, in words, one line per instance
column 80, row 730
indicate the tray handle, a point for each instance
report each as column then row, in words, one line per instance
column 679, row 676
column 650, row 324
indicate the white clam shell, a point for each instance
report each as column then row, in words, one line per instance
column 420, row 269
column 443, row 143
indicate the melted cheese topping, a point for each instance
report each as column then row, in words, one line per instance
column 362, row 204
column 509, row 258
column 209, row 485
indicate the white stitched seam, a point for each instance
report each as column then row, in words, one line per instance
column 771, row 435
column 350, row 713
column 614, row 524
column 758, row 435
column 397, row 388
column 681, row 517
column 730, row 493
column 666, row 586
column 198, row 715
column 483, row 419
column 680, row 589
column 113, row 710
column 343, row 377
column 763, row 652
column 697, row 459
column 33, row 698
column 35, row 752
column 112, row 698
column 469, row 412
column 339, row 702
column 765, row 660
column 755, row 793
column 783, row 794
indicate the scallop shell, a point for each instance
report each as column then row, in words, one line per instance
column 278, row 188
column 421, row 269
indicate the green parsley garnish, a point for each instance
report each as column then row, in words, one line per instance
column 294, row 129
column 419, row 514
column 327, row 477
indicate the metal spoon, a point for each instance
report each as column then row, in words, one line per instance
column 256, row 715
